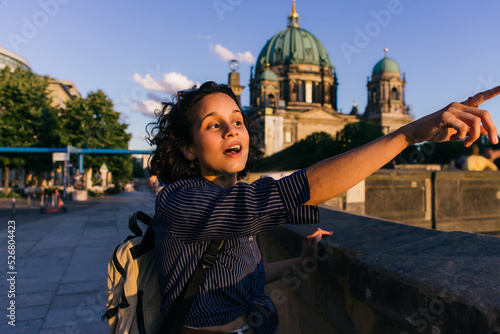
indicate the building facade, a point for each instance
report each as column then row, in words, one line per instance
column 293, row 91
column 12, row 60
column 59, row 90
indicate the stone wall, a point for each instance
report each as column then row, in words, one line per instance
column 462, row 198
column 446, row 201
column 442, row 200
column 400, row 196
column 374, row 276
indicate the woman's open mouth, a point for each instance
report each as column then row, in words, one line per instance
column 235, row 149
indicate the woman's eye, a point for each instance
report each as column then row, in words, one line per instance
column 214, row 126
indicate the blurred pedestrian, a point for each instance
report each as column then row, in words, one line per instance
column 476, row 162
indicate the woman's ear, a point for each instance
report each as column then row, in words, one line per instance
column 187, row 151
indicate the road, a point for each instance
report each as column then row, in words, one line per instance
column 60, row 270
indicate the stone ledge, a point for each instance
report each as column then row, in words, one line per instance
column 453, row 280
column 404, row 279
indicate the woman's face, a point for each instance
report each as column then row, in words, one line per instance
column 220, row 138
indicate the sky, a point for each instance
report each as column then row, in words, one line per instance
column 141, row 52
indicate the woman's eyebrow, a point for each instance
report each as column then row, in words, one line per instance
column 208, row 115
column 215, row 112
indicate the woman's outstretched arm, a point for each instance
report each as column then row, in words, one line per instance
column 333, row 176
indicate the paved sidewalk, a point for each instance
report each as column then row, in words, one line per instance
column 61, row 263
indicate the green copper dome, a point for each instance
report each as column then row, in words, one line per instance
column 269, row 75
column 293, row 45
column 386, row 65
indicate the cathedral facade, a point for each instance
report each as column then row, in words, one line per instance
column 293, row 91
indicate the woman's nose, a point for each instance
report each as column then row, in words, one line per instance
column 230, row 131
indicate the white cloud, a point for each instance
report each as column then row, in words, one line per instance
column 170, row 82
column 174, row 82
column 222, row 52
column 226, row 54
column 245, row 57
column 145, row 107
column 204, row 36
column 147, row 82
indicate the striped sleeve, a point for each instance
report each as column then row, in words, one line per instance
column 295, row 192
column 196, row 209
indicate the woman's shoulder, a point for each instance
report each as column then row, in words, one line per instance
column 180, row 185
column 178, row 192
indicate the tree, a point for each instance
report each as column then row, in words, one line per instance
column 357, row 134
column 315, row 147
column 138, row 171
column 320, row 145
column 91, row 122
column 440, row 153
column 27, row 118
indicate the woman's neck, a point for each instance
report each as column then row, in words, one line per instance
column 224, row 180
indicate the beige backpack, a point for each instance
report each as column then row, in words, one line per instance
column 133, row 292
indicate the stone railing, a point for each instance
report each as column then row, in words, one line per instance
column 446, row 201
column 375, row 277
column 441, row 200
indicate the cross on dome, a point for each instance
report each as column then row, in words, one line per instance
column 293, row 18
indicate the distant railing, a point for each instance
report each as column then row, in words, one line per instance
column 71, row 150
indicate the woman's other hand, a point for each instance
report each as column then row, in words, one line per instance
column 311, row 241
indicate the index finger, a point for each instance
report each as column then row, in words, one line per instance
column 476, row 100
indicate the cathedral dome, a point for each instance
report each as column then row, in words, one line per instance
column 269, row 75
column 293, row 45
column 386, row 65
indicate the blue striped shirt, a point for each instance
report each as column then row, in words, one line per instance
column 190, row 213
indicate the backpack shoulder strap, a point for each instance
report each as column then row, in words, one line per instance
column 132, row 222
column 148, row 240
column 174, row 322
column 147, row 244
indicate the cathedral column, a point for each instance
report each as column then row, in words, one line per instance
column 293, row 90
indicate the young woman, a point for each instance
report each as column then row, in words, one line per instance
column 204, row 145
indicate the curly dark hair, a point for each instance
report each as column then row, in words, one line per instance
column 174, row 127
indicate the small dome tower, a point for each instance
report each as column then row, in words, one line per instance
column 386, row 96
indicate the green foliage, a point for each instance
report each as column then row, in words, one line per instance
column 313, row 148
column 138, row 171
column 26, row 117
column 439, row 153
column 92, row 123
column 357, row 134
column 11, row 194
column 92, row 193
column 318, row 146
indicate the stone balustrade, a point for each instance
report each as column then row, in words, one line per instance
column 374, row 276
column 442, row 200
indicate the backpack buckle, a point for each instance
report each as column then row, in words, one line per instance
column 207, row 261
